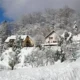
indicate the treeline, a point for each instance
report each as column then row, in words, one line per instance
column 43, row 22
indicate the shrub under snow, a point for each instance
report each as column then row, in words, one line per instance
column 45, row 56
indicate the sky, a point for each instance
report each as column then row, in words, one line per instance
column 14, row 9
column 2, row 17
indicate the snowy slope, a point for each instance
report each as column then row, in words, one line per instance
column 59, row 71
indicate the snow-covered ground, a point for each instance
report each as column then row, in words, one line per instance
column 59, row 71
column 6, row 56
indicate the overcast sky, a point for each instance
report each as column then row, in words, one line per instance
column 16, row 8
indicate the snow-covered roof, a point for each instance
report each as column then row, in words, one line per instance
column 23, row 36
column 10, row 37
column 14, row 37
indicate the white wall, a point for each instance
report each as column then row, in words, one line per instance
column 55, row 38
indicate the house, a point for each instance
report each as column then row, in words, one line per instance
column 52, row 39
column 26, row 40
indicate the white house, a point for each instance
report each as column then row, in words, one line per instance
column 52, row 39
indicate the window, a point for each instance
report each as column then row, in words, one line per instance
column 54, row 41
column 50, row 37
column 11, row 40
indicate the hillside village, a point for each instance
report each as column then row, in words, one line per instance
column 19, row 48
column 47, row 44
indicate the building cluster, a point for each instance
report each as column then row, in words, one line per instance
column 52, row 39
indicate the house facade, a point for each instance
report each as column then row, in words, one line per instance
column 52, row 39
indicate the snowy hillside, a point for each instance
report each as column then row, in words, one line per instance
column 59, row 71
column 50, row 51
column 67, row 70
column 29, row 56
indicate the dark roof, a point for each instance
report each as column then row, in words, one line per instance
column 50, row 34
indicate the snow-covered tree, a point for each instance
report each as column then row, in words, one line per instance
column 12, row 59
column 39, row 39
column 4, row 30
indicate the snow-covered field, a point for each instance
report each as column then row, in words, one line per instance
column 6, row 56
column 59, row 71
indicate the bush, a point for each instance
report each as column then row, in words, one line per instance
column 42, row 57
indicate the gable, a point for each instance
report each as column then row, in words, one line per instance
column 50, row 34
column 53, row 36
column 28, row 42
